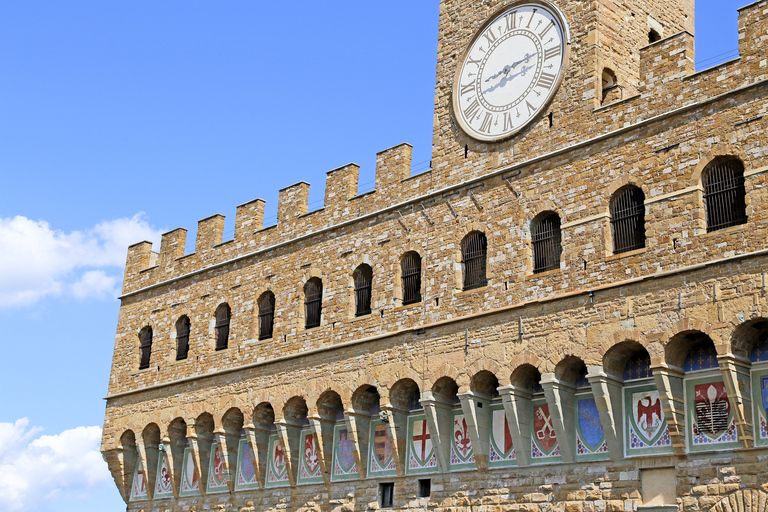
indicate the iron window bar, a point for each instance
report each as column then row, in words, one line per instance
column 266, row 316
column 725, row 195
column 313, row 296
column 546, row 244
column 628, row 220
column 363, row 278
column 145, row 347
column 411, row 278
column 473, row 253
column 182, row 338
column 222, row 327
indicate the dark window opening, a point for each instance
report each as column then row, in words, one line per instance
column 266, row 315
column 473, row 254
column 313, row 302
column 724, row 194
column 628, row 220
column 653, row 36
column 145, row 347
column 545, row 235
column 386, row 495
column 363, row 278
column 411, row 278
column 182, row 338
column 551, row 117
column 425, row 488
column 223, row 314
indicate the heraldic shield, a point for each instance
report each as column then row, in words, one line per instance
column 345, row 455
column 590, row 428
column 544, row 431
column 646, row 416
column 712, row 409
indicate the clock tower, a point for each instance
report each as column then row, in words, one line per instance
column 520, row 78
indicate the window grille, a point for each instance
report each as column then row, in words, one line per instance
column 266, row 315
column 182, row 338
column 628, row 220
column 223, row 314
column 313, row 302
column 546, row 244
column 473, row 254
column 724, row 194
column 411, row 277
column 363, row 278
column 145, row 347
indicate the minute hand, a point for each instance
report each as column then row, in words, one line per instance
column 510, row 67
column 507, row 78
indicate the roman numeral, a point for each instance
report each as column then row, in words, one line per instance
column 547, row 29
column 511, row 20
column 470, row 60
column 472, row 109
column 552, row 52
column 530, row 20
column 507, row 121
column 490, row 36
column 486, row 126
column 466, row 89
column 531, row 108
column 545, row 80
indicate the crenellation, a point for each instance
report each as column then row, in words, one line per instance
column 172, row 246
column 210, row 233
column 393, row 165
column 665, row 61
column 753, row 31
column 138, row 259
column 340, row 187
column 293, row 201
column 248, row 220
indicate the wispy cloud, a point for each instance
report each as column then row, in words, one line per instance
column 34, row 473
column 37, row 261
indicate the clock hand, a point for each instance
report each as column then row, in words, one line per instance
column 508, row 78
column 510, row 67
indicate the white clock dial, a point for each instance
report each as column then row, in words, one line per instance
column 510, row 71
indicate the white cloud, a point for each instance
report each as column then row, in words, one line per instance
column 34, row 473
column 37, row 261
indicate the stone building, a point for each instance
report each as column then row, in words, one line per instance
column 567, row 312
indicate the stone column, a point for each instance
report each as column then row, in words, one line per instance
column 561, row 401
column 437, row 411
column 608, row 390
column 517, row 407
column 477, row 410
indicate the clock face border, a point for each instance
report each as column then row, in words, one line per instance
column 468, row 131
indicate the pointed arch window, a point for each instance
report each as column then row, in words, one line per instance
column 628, row 219
column 223, row 315
column 474, row 250
column 182, row 338
column 145, row 347
column 724, row 194
column 363, row 279
column 313, row 302
column 266, row 315
column 410, row 268
column 547, row 247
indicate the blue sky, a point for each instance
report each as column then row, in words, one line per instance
column 122, row 120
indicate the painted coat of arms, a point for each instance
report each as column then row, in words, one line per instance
column 590, row 428
column 189, row 481
column 382, row 459
column 163, row 486
column 502, row 438
column 543, row 429
column 422, row 441
column 278, row 469
column 345, row 454
column 310, row 464
column 247, row 471
column 712, row 409
column 218, row 475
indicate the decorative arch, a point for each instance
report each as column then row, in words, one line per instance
column 751, row 500
column 719, row 151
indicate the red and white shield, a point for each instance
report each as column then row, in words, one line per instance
column 310, row 453
column 461, row 436
column 422, row 441
column 501, row 435
column 712, row 408
column 543, row 428
column 647, row 415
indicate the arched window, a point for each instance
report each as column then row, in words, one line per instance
column 266, row 315
column 145, row 347
column 628, row 219
column 223, row 314
column 473, row 255
column 363, row 277
column 724, row 194
column 313, row 302
column 610, row 87
column 410, row 268
column 545, row 235
column 182, row 338
column 653, row 36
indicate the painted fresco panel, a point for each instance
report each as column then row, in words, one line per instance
column 344, row 464
column 590, row 438
column 246, row 477
column 544, row 447
column 277, row 467
column 139, row 486
column 462, row 454
column 760, row 402
column 163, row 484
column 217, row 477
column 421, row 457
column 710, row 423
column 382, row 460
column 309, row 460
column 645, row 428
column 190, row 483
column 502, row 453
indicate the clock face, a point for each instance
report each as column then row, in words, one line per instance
column 511, row 71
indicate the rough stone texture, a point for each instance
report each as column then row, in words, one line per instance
column 670, row 123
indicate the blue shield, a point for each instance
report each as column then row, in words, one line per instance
column 764, row 385
column 589, row 423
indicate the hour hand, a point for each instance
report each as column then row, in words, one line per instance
column 504, row 71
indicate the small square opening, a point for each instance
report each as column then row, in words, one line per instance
column 425, row 488
column 386, row 494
